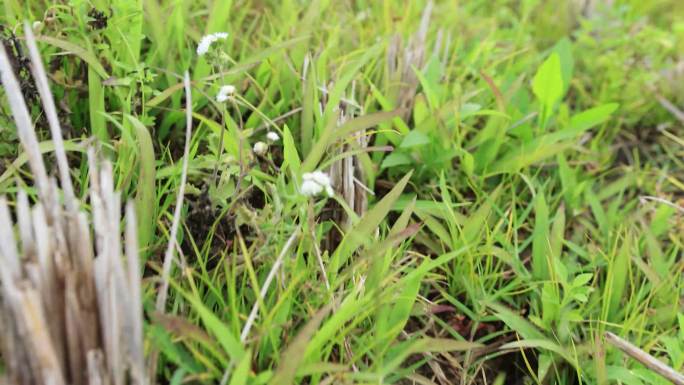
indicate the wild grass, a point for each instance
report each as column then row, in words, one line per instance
column 508, row 181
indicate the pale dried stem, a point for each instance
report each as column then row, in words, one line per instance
column 168, row 256
column 70, row 311
column 646, row 359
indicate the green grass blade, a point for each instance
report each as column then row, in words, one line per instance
column 146, row 197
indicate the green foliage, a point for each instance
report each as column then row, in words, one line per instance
column 524, row 197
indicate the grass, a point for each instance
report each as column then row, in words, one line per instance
column 520, row 182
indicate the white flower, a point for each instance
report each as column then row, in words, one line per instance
column 313, row 183
column 272, row 136
column 224, row 93
column 207, row 40
column 260, row 148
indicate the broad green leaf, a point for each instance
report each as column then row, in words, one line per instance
column 396, row 159
column 547, row 85
column 413, row 139
column 564, row 49
column 582, row 279
column 592, row 117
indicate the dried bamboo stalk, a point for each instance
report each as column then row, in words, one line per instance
column 70, row 305
column 648, row 360
column 38, row 72
column 402, row 61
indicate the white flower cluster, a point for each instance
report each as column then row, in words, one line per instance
column 208, row 40
column 224, row 93
column 260, row 148
column 272, row 136
column 313, row 183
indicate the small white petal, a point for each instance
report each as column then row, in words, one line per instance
column 316, row 182
column 272, row 136
column 260, row 148
column 311, row 188
column 321, row 178
column 228, row 89
column 224, row 93
column 208, row 40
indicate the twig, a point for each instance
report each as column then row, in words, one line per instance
column 27, row 136
column 648, row 360
column 172, row 245
column 644, row 198
column 679, row 114
column 168, row 256
column 39, row 76
column 267, row 283
column 279, row 118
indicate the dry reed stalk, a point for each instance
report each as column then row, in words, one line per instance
column 404, row 60
column 347, row 173
column 173, row 245
column 70, row 305
column 646, row 359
